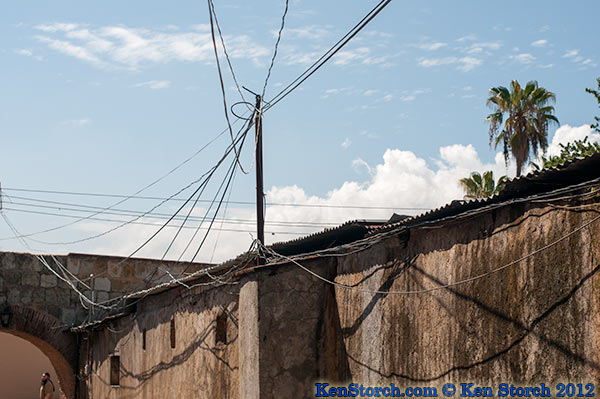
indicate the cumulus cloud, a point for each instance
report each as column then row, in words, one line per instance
column 125, row 47
column 567, row 133
column 400, row 182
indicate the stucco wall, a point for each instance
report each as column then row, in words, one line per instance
column 534, row 321
column 198, row 366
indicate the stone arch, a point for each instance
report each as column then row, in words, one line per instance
column 47, row 334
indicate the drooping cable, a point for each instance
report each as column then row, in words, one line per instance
column 328, row 54
column 214, row 41
column 276, row 48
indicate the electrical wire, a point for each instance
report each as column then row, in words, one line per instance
column 276, row 47
column 212, row 31
column 438, row 287
column 163, row 216
column 330, row 53
column 230, row 202
column 134, row 195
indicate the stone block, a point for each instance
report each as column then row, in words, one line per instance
column 14, row 295
column 73, row 266
column 38, row 296
column 114, row 269
column 48, row 281
column 36, row 265
column 63, row 297
column 12, row 277
column 102, row 284
column 50, row 296
column 68, row 316
column 8, row 261
column 31, row 278
column 25, row 296
column 2, row 300
column 102, row 296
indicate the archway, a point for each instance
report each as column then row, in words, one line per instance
column 45, row 333
column 21, row 366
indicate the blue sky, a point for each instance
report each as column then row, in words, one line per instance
column 106, row 97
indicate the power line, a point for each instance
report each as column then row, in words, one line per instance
column 212, row 31
column 136, row 222
column 276, row 47
column 205, row 178
column 208, row 175
column 75, row 193
column 330, row 53
column 153, row 215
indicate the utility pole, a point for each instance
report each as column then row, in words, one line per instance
column 260, row 221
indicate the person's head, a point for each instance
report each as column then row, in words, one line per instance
column 45, row 376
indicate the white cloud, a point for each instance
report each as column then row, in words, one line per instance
column 154, row 84
column 76, row 122
column 25, row 52
column 359, row 165
column 571, row 53
column 467, row 38
column 523, row 58
column 463, row 63
column 56, row 27
column 400, row 180
column 311, row 32
column 432, row 46
column 359, row 55
column 540, row 43
column 370, row 92
column 125, row 47
column 567, row 133
column 477, row 48
column 346, row 143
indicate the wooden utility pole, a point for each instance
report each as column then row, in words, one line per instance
column 260, row 221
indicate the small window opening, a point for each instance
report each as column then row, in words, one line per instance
column 173, row 333
column 115, row 370
column 144, row 339
column 221, row 330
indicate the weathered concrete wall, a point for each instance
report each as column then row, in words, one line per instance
column 198, row 367
column 534, row 321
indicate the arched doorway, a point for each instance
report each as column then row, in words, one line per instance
column 21, row 366
column 50, row 341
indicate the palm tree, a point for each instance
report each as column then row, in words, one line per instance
column 478, row 186
column 528, row 115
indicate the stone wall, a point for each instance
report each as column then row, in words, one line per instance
column 25, row 281
column 44, row 307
